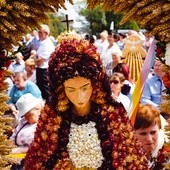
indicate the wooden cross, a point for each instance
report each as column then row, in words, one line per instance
column 67, row 22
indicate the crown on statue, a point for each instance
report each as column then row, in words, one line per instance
column 68, row 35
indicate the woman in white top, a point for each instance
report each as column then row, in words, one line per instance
column 106, row 55
column 117, row 83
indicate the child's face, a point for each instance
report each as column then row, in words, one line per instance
column 32, row 116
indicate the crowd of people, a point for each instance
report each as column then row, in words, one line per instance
column 72, row 101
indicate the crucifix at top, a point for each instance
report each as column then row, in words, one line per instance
column 67, row 22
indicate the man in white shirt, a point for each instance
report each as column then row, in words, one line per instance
column 44, row 51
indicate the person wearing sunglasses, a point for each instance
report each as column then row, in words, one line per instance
column 117, row 65
column 117, row 82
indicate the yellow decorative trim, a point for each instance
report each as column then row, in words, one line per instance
column 16, row 155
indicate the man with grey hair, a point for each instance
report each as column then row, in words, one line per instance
column 44, row 51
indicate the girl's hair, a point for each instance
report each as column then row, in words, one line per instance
column 76, row 58
column 147, row 116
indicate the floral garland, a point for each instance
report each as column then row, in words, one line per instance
column 72, row 51
column 163, row 54
column 50, row 148
column 159, row 161
column 119, row 147
column 68, row 35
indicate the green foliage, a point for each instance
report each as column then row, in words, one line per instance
column 56, row 27
column 96, row 19
column 133, row 25
column 100, row 20
column 111, row 16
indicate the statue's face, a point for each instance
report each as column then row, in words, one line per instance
column 78, row 91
